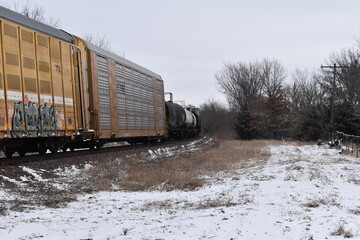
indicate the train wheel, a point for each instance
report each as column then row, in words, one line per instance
column 8, row 152
column 53, row 147
column 21, row 152
column 91, row 145
column 42, row 148
column 98, row 145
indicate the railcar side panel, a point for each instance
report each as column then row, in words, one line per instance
column 161, row 105
column 78, row 88
column 47, row 110
column 93, row 92
column 156, row 103
column 29, row 74
column 136, row 104
column 120, row 93
column 36, row 90
column 74, row 83
column 103, row 92
column 13, row 82
column 3, row 112
column 126, row 103
column 29, row 77
column 44, row 75
column 113, row 98
column 57, row 84
column 70, row 122
column 85, row 90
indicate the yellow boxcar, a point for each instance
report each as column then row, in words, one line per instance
column 38, row 84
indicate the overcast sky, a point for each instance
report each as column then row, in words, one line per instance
column 187, row 42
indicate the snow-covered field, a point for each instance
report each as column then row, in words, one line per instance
column 298, row 192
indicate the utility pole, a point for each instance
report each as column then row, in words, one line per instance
column 334, row 69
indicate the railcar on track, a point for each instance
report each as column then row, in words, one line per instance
column 58, row 91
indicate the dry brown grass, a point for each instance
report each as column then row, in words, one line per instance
column 302, row 143
column 330, row 200
column 354, row 181
column 355, row 211
column 341, row 231
column 315, row 203
column 184, row 171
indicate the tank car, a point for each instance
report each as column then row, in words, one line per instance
column 182, row 122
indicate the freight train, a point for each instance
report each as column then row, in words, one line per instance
column 58, row 91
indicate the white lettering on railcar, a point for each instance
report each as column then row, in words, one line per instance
column 14, row 96
column 58, row 100
column 69, row 101
column 32, row 97
column 2, row 94
column 46, row 98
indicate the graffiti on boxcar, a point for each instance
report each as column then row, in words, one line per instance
column 34, row 120
column 31, row 118
column 48, row 119
column 18, row 119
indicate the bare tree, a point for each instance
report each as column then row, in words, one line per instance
column 305, row 90
column 276, row 104
column 256, row 92
column 273, row 76
column 240, row 83
column 100, row 41
column 217, row 120
column 34, row 11
column 30, row 9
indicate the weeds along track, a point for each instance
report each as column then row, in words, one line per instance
column 86, row 153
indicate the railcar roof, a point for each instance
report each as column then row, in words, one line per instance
column 122, row 60
column 35, row 25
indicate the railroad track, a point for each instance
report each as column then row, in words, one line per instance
column 17, row 160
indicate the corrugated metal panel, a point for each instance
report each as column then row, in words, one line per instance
column 160, row 99
column 129, row 95
column 104, row 96
column 151, row 111
column 123, row 61
column 33, row 24
column 120, row 92
column 135, row 99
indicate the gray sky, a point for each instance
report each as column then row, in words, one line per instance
column 187, row 42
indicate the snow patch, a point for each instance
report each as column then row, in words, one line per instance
column 33, row 173
column 298, row 192
column 12, row 180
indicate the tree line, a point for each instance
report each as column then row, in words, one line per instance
column 308, row 107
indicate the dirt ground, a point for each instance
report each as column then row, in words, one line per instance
column 57, row 182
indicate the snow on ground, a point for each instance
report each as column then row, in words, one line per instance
column 299, row 192
column 33, row 173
